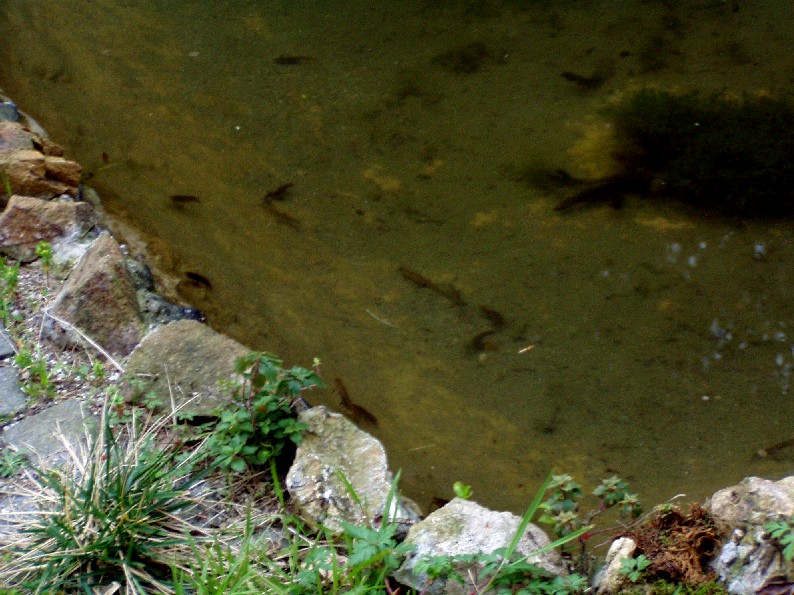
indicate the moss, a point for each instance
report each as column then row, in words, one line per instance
column 729, row 155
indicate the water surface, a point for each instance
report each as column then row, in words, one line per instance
column 649, row 341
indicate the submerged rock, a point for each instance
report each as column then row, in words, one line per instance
column 340, row 474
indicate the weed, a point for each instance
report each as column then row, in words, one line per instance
column 783, row 533
column 9, row 279
column 110, row 518
column 634, row 567
column 462, row 490
column 260, row 420
column 11, row 462
column 36, row 373
column 44, row 252
column 6, row 184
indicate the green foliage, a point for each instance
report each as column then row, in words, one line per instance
column 783, row 533
column 36, row 374
column 561, row 509
column 634, row 567
column 114, row 520
column 44, row 252
column 260, row 420
column 11, row 462
column 9, row 279
column 461, row 490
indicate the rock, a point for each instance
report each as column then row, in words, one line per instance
column 750, row 561
column 157, row 310
column 6, row 344
column 32, row 173
column 14, row 137
column 8, row 112
column 12, row 399
column 99, row 299
column 335, row 457
column 464, row 527
column 27, row 221
column 610, row 579
column 48, row 436
column 184, row 361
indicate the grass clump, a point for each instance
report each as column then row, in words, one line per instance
column 110, row 516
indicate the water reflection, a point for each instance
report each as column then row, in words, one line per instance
column 646, row 341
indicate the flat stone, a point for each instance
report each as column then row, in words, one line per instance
column 45, row 435
column 184, row 362
column 12, row 399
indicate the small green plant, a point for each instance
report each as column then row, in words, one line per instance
column 44, row 252
column 6, row 184
column 11, row 462
column 462, row 490
column 634, row 567
column 562, row 506
column 9, row 279
column 783, row 533
column 260, row 419
column 36, row 373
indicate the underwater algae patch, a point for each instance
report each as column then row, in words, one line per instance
column 716, row 153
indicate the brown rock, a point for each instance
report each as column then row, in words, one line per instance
column 99, row 299
column 32, row 173
column 27, row 221
column 184, row 361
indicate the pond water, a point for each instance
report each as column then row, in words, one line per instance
column 363, row 174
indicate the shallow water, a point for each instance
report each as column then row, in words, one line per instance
column 648, row 341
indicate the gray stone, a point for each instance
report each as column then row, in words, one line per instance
column 12, row 399
column 463, row 527
column 184, row 362
column 27, row 221
column 750, row 561
column 610, row 579
column 6, row 344
column 335, row 457
column 99, row 299
column 47, row 436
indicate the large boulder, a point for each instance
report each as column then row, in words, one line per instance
column 185, row 364
column 751, row 562
column 27, row 221
column 99, row 300
column 461, row 528
column 340, row 474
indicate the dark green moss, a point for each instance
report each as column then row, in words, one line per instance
column 731, row 156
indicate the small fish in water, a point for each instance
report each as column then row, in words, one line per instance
column 198, row 280
column 357, row 412
column 289, row 60
column 183, row 198
column 279, row 193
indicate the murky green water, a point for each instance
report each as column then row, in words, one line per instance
column 662, row 342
